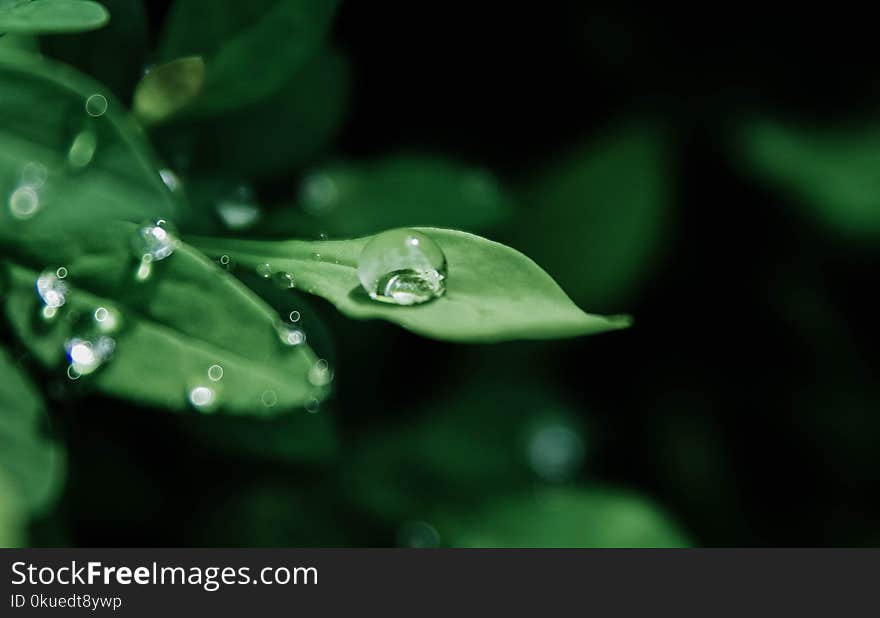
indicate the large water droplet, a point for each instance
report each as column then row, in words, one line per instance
column 403, row 267
column 96, row 105
column 52, row 290
column 24, row 202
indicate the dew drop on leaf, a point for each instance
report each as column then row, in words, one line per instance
column 320, row 374
column 294, row 316
column 52, row 290
column 402, row 267
column 284, row 280
column 152, row 243
column 215, row 373
column 290, row 335
column 203, row 398
column 170, row 179
column 269, row 398
column 264, row 270
column 313, row 406
column 86, row 355
column 239, row 211
column 82, row 149
column 96, row 105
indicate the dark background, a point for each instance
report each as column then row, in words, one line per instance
column 744, row 399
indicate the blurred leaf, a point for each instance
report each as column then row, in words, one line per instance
column 30, row 466
column 62, row 166
column 282, row 439
column 168, row 88
column 115, row 54
column 273, row 136
column 562, row 518
column 188, row 316
column 460, row 450
column 352, row 199
column 493, row 292
column 832, row 174
column 49, row 16
column 597, row 218
column 12, row 518
column 235, row 38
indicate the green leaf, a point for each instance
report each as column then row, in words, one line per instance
column 51, row 16
column 62, row 166
column 114, row 55
column 31, row 467
column 352, row 199
column 168, row 88
column 268, row 138
column 463, row 450
column 172, row 328
column 493, row 292
column 561, row 518
column 234, row 38
column 598, row 217
column 832, row 174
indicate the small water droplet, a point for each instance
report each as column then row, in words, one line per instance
column 269, row 398
column 96, row 105
column 402, row 267
column 34, row 174
column 294, row 316
column 82, row 149
column 319, row 194
column 203, row 398
column 170, row 179
column 239, row 211
column 290, row 335
column 61, row 273
column 555, row 452
column 323, row 235
column 215, row 373
column 284, row 280
column 86, row 355
column 155, row 241
column 52, row 290
column 320, row 374
column 264, row 270
column 24, row 202
column 313, row 406
column 152, row 243
column 224, row 260
column 316, row 256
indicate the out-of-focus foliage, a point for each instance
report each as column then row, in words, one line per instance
column 494, row 292
column 356, row 199
column 250, row 48
column 599, row 216
column 832, row 175
column 114, row 55
column 562, row 518
column 49, row 16
column 168, row 88
column 31, row 467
